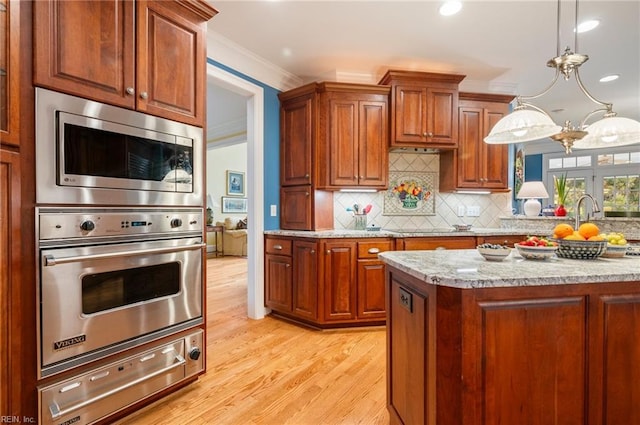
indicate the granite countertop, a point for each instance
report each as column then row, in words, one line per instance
column 385, row 233
column 467, row 269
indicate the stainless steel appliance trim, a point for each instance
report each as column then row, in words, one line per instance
column 56, row 412
column 51, row 260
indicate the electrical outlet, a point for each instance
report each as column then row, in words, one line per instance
column 461, row 211
column 473, row 211
column 274, row 211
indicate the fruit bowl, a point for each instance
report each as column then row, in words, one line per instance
column 581, row 250
column 492, row 252
column 536, row 252
column 615, row 251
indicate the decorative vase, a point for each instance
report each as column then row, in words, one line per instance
column 560, row 211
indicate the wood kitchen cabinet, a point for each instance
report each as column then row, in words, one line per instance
column 424, row 109
column 332, row 136
column 550, row 354
column 436, row 242
column 476, row 164
column 326, row 282
column 508, row 240
column 144, row 55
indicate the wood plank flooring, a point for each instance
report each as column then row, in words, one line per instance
column 271, row 372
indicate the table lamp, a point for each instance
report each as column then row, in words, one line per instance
column 532, row 191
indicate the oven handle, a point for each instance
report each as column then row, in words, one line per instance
column 50, row 260
column 54, row 408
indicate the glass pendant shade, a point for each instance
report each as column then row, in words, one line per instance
column 522, row 125
column 610, row 132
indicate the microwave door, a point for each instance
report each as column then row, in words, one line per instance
column 100, row 154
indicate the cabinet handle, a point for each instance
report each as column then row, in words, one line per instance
column 427, row 134
column 144, row 95
column 278, row 247
column 306, row 176
column 374, row 250
column 328, row 251
column 307, row 193
column 287, row 265
column 313, row 251
column 130, row 90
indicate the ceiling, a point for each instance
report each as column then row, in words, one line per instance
column 501, row 46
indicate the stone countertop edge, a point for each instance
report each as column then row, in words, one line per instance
column 346, row 233
column 467, row 269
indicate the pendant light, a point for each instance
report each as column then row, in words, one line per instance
column 529, row 122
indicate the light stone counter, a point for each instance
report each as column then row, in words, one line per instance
column 467, row 269
column 394, row 233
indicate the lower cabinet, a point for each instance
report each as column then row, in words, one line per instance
column 326, row 282
column 565, row 354
column 436, row 242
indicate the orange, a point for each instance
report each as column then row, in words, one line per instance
column 575, row 236
column 562, row 230
column 588, row 230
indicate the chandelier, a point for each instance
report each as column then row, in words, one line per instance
column 529, row 122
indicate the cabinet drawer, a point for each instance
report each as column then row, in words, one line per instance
column 455, row 242
column 508, row 240
column 371, row 249
column 278, row 246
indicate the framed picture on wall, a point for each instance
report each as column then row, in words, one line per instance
column 232, row 205
column 235, row 183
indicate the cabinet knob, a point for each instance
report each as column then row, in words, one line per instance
column 374, row 250
column 144, row 95
column 130, row 90
column 288, row 265
column 328, row 251
column 313, row 251
column 278, row 247
column 306, row 176
column 307, row 193
column 427, row 134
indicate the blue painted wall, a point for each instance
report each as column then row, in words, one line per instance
column 271, row 146
column 533, row 167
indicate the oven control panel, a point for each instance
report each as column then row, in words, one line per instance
column 88, row 223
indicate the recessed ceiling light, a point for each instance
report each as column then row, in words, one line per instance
column 609, row 78
column 588, row 25
column 450, row 7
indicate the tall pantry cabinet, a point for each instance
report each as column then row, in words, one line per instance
column 95, row 50
column 17, row 279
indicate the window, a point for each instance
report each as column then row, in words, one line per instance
column 611, row 177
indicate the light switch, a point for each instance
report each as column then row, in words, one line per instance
column 274, row 211
column 461, row 211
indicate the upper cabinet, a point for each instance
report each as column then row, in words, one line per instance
column 476, row 164
column 424, row 109
column 335, row 135
column 145, row 55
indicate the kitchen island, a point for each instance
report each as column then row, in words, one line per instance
column 511, row 342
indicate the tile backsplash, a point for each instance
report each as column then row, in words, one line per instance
column 446, row 204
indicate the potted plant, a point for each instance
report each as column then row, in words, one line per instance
column 560, row 184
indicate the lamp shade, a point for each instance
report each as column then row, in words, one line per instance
column 532, row 190
column 522, row 125
column 609, row 132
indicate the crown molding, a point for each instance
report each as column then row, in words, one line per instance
column 225, row 51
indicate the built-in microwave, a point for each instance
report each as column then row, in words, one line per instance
column 90, row 153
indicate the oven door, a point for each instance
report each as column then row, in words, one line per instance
column 98, row 300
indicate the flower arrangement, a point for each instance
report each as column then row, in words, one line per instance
column 410, row 193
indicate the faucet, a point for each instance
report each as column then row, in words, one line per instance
column 594, row 208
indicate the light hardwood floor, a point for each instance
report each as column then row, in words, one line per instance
column 271, row 372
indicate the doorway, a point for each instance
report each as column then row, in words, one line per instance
column 255, row 193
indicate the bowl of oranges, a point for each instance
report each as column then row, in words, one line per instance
column 585, row 243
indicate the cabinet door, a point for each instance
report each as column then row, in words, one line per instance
column 495, row 157
column 9, row 72
column 530, row 359
column 373, row 158
column 296, row 137
column 410, row 121
column 278, row 274
column 86, row 48
column 343, row 142
column 295, row 213
column 371, row 289
column 442, row 117
column 615, row 374
column 305, row 279
column 10, row 271
column 171, row 54
column 340, row 280
column 470, row 164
